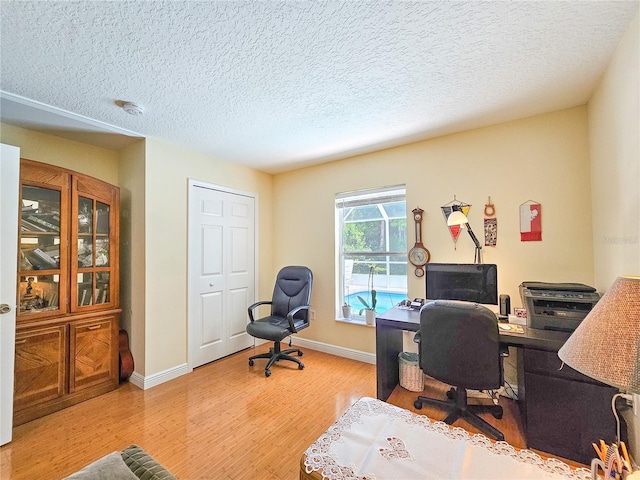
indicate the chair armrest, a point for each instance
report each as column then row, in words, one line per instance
column 255, row 305
column 292, row 313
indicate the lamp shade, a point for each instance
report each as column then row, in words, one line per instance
column 456, row 218
column 606, row 344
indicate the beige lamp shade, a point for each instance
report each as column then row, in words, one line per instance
column 606, row 344
column 457, row 218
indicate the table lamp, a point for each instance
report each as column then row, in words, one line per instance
column 456, row 217
column 606, row 344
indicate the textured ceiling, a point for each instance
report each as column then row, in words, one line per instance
column 278, row 85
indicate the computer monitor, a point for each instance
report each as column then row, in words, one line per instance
column 471, row 282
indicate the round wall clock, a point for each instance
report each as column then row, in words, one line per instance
column 418, row 255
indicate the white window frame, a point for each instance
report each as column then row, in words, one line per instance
column 375, row 196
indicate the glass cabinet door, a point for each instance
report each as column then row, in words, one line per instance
column 93, row 243
column 41, row 251
column 68, row 243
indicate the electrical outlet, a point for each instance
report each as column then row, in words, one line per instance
column 312, row 314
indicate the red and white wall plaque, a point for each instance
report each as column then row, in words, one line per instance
column 530, row 222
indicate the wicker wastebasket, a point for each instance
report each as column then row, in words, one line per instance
column 411, row 376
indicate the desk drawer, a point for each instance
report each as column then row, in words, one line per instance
column 548, row 363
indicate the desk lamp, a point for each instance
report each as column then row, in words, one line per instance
column 458, row 218
column 606, row 344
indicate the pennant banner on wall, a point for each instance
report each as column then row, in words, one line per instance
column 530, row 222
column 454, row 230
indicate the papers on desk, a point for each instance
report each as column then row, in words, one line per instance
column 508, row 327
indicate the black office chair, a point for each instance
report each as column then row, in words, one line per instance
column 289, row 314
column 460, row 346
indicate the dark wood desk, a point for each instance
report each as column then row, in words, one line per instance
column 391, row 324
column 562, row 410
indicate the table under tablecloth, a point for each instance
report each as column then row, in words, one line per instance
column 377, row 440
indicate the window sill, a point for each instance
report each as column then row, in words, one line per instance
column 355, row 321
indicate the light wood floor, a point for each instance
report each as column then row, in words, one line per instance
column 225, row 420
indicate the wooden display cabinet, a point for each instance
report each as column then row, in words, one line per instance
column 68, row 284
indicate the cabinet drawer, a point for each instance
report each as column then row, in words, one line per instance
column 40, row 365
column 548, row 363
column 564, row 417
column 92, row 353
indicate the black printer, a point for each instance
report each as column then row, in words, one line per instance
column 557, row 306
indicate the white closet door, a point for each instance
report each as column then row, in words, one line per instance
column 221, row 272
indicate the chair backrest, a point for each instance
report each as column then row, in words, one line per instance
column 460, row 344
column 292, row 289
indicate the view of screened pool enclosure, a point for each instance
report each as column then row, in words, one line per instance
column 371, row 235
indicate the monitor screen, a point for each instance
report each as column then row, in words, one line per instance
column 457, row 281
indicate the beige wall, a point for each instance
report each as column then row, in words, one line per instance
column 614, row 126
column 98, row 162
column 614, row 123
column 167, row 171
column 132, row 248
column 543, row 158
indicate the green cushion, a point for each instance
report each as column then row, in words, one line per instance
column 143, row 465
column 109, row 467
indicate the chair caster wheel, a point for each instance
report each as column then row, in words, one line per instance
column 299, row 353
column 451, row 394
column 417, row 404
column 267, row 373
column 301, row 366
column 250, row 363
column 497, row 415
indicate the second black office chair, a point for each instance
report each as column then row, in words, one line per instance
column 460, row 346
column 289, row 314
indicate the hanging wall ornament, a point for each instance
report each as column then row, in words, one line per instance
column 490, row 232
column 490, row 225
column 447, row 209
column 530, row 221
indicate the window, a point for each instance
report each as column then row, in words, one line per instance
column 371, row 238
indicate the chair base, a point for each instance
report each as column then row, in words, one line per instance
column 458, row 407
column 276, row 354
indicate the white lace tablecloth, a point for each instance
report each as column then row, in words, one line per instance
column 376, row 440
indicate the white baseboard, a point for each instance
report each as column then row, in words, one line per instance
column 364, row 357
column 150, row 381
column 335, row 350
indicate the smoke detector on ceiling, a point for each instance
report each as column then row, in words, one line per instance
column 132, row 108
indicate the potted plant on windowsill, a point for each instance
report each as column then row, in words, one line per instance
column 369, row 308
column 346, row 307
column 346, row 310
